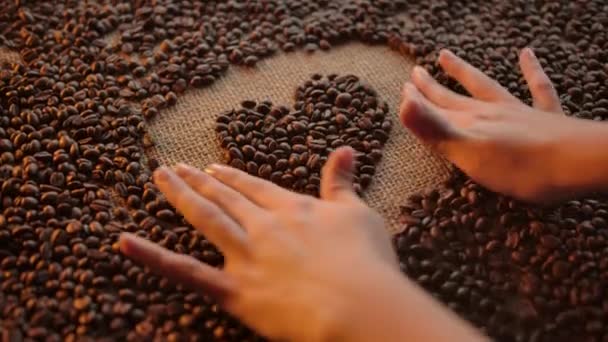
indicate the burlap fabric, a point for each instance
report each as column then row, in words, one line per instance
column 8, row 56
column 185, row 132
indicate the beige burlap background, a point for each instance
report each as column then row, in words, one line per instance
column 8, row 56
column 185, row 132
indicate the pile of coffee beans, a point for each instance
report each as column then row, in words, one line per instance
column 289, row 147
column 73, row 133
column 569, row 37
column 518, row 272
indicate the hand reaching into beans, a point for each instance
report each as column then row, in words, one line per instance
column 296, row 268
column 532, row 153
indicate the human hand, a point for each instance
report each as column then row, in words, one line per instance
column 501, row 143
column 296, row 267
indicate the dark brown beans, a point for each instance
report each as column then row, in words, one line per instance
column 518, row 272
column 298, row 147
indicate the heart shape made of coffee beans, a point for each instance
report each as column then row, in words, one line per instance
column 290, row 146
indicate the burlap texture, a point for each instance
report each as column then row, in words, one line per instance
column 185, row 132
column 8, row 56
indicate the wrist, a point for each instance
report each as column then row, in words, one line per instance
column 353, row 314
column 580, row 159
column 392, row 308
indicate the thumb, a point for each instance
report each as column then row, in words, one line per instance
column 337, row 176
column 429, row 123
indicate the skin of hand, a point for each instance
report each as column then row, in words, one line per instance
column 296, row 268
column 531, row 153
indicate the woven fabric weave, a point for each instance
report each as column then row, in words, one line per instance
column 8, row 56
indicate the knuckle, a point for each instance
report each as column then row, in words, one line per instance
column 542, row 84
column 166, row 260
column 203, row 187
column 182, row 201
column 223, row 198
column 227, row 172
column 191, row 178
column 233, row 175
column 335, row 187
column 265, row 221
column 242, row 181
column 296, row 222
column 263, row 230
column 303, row 204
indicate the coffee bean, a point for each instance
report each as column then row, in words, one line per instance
column 79, row 249
column 186, row 321
column 165, row 214
column 549, row 241
column 264, row 171
column 300, row 172
column 82, row 304
column 343, row 100
column 5, row 145
column 560, row 269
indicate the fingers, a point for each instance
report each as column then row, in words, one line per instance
column 201, row 213
column 178, row 268
column 337, row 176
column 478, row 84
column 425, row 120
column 227, row 199
column 543, row 93
column 438, row 94
column 261, row 192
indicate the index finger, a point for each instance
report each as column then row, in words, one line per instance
column 178, row 268
column 202, row 214
column 478, row 84
column 261, row 192
column 543, row 93
column 438, row 94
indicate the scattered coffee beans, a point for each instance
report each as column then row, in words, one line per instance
column 289, row 147
column 72, row 142
column 518, row 272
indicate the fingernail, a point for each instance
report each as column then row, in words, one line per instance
column 409, row 88
column 420, row 71
column 213, row 169
column 182, row 169
column 161, row 174
column 529, row 52
column 125, row 242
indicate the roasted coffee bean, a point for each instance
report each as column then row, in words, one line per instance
column 82, row 304
column 264, row 171
column 300, row 172
column 343, row 100
column 549, row 241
